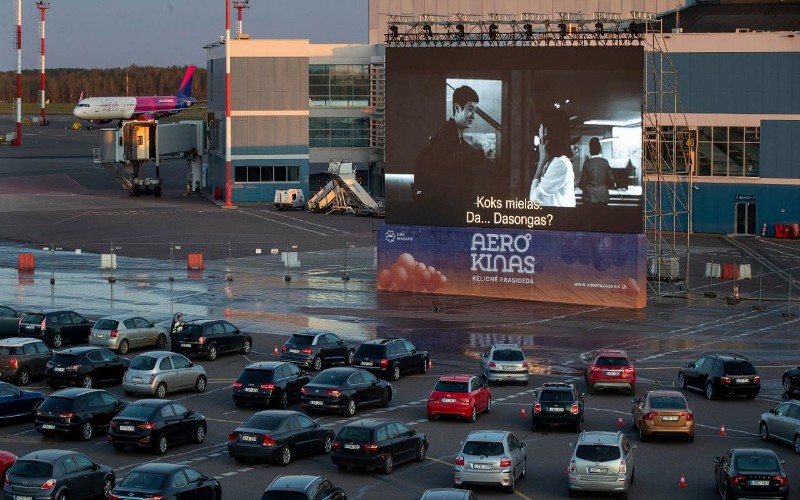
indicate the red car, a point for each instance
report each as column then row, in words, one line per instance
column 610, row 369
column 460, row 395
column 6, row 461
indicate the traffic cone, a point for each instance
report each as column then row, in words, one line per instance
column 736, row 296
column 275, row 352
column 682, row 482
column 620, row 423
column 430, row 364
column 523, row 413
column 722, row 431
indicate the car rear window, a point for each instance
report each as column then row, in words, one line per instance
column 301, row 339
column 508, row 355
column 483, row 448
column 136, row 411
column 739, row 368
column 191, row 331
column 62, row 358
column 32, row 468
column 250, row 375
column 106, row 324
column 143, row 363
column 555, row 396
column 757, row 463
column 667, row 403
column 332, row 377
column 265, row 422
column 6, row 350
column 358, row 434
column 144, row 480
column 284, row 495
column 55, row 403
column 371, row 350
column 448, row 386
column 33, row 318
column 597, row 452
column 611, row 361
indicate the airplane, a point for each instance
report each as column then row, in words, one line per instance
column 102, row 110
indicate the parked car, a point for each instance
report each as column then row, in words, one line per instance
column 17, row 404
column 211, row 337
column 85, row 367
column 345, row 389
column 377, row 443
column 663, row 413
column 491, row 457
column 269, row 383
column 157, row 373
column 7, row 459
column 278, row 436
column 55, row 327
column 459, row 395
column 782, row 423
column 750, row 473
column 721, row 375
column 23, row 359
column 159, row 480
column 447, row 494
column 791, row 380
column 504, row 363
column 9, row 321
column 122, row 332
column 388, row 358
column 610, row 369
column 316, row 349
column 156, row 424
column 58, row 474
column 603, row 462
column 558, row 404
column 302, row 487
column 77, row 412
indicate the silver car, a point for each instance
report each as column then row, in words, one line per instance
column 159, row 372
column 782, row 423
column 124, row 331
column 601, row 461
column 491, row 458
column 504, row 363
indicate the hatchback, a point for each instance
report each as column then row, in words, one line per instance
column 210, row 337
column 751, row 473
column 602, row 462
column 720, row 375
column 9, row 321
column 84, row 367
column 302, row 487
column 388, row 358
column 447, row 494
column 491, row 457
column 459, row 395
column 663, row 413
column 610, row 369
column 160, row 480
column 269, row 383
column 316, row 349
column 61, row 474
column 157, row 373
column 122, row 332
column 77, row 412
column 55, row 327
column 558, row 404
column 278, row 436
column 782, row 423
column 156, row 424
column 377, row 443
column 23, row 359
column 504, row 363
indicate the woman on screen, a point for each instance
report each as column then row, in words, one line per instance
column 554, row 182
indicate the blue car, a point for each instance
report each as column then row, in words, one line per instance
column 18, row 404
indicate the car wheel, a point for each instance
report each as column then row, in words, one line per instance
column 119, row 447
column 246, row 346
column 787, row 384
column 161, row 341
column 524, row 468
column 108, row 485
column 511, row 486
column 283, row 402
column 388, row 464
column 681, row 381
column 23, row 377
column 421, row 450
column 350, row 360
column 123, row 347
column 286, row 456
column 350, row 407
column 316, row 363
column 238, row 403
column 642, row 435
column 385, row 399
column 161, row 390
column 727, row 493
column 623, row 495
column 431, row 417
column 57, row 340
column 86, row 381
column 572, row 493
column 533, row 424
column 211, row 355
column 327, row 445
column 473, row 415
column 160, row 446
column 578, row 426
column 63, row 495
column 797, row 444
column 424, row 367
column 632, row 390
column 199, row 434
column 239, row 459
column 200, row 384
column 395, row 375
column 763, row 431
column 489, row 406
column 590, row 388
column 86, row 431
column 690, row 438
column 54, row 385
column 751, row 395
column 710, row 390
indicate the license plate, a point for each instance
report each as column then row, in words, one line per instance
column 58, row 369
column 448, row 400
column 613, row 373
column 100, row 335
column 758, row 482
column 250, row 389
column 366, row 363
column 352, row 446
column 742, row 380
column 252, row 439
column 669, row 418
column 186, row 345
column 316, row 402
column 510, row 368
column 17, row 497
column 294, row 351
column 29, row 327
column 555, row 409
column 482, row 466
column 127, row 428
column 598, row 470
column 136, row 380
column 48, row 426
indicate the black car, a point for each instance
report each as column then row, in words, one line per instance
column 85, row 367
column 56, row 327
column 60, row 474
column 210, row 337
column 750, row 473
column 16, row 404
column 344, row 389
column 9, row 321
column 77, row 412
column 388, row 358
column 160, row 480
column 269, row 383
column 278, row 436
column 302, row 487
column 558, row 404
column 721, row 375
column 316, row 349
column 377, row 443
column 791, row 380
column 156, row 424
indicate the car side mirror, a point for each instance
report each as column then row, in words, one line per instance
column 95, row 466
column 690, row 365
column 523, row 445
column 583, row 395
column 635, row 401
column 772, row 410
column 341, row 342
column 717, row 460
column 536, row 393
column 188, row 413
column 412, row 432
column 191, row 364
column 782, row 461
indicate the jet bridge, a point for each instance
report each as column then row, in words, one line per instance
column 343, row 192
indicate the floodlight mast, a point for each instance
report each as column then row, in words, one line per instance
column 43, row 6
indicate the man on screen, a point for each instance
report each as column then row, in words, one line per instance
column 445, row 169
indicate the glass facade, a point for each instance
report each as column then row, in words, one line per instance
column 338, row 132
column 338, row 85
column 267, row 173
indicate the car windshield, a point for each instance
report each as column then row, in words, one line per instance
column 757, row 463
column 33, row 318
column 359, row 434
column 7, row 390
column 739, row 368
column 301, row 339
column 144, row 480
column 370, row 350
column 32, row 468
column 248, row 376
column 106, row 324
column 264, row 422
column 483, row 448
column 508, row 355
column 55, row 403
column 597, row 452
column 136, row 411
column 667, row 403
column 448, row 386
column 284, row 495
column 144, row 363
column 555, row 396
column 331, row 377
column 609, row 361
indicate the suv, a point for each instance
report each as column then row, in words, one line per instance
column 302, row 487
column 610, row 369
column 721, row 375
column 504, row 362
column 557, row 404
column 491, row 458
column 602, row 461
column 269, row 383
column 55, row 327
column 377, row 443
column 209, row 337
column 22, row 359
column 461, row 395
column 77, row 412
column 85, row 366
column 389, row 358
column 316, row 348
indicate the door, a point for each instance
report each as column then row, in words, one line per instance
column 745, row 218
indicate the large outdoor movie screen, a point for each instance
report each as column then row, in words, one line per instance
column 544, row 138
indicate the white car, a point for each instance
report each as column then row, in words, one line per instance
column 122, row 332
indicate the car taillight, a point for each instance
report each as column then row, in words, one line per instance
column 306, row 350
column 201, row 340
column 369, row 447
column 574, row 408
column 237, row 384
column 49, row 484
column 505, row 462
column 756, row 379
column 267, row 441
column 66, row 415
column 459, row 460
column 112, row 496
column 14, row 362
column 524, row 364
column 492, row 364
column 781, row 480
column 267, row 386
column 231, row 437
column 623, row 467
column 336, row 445
column 114, row 334
column 384, row 363
column 283, row 348
column 628, row 369
column 572, row 467
column 72, row 368
column 43, row 325
column 334, row 393
column 689, row 416
column 303, row 390
column 738, row 479
column 154, row 497
column 649, row 416
column 537, row 407
column 725, row 380
column 148, row 426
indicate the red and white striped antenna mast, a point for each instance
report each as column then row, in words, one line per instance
column 42, row 6
column 239, row 6
column 18, row 102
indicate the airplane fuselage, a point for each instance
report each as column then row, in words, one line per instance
column 126, row 108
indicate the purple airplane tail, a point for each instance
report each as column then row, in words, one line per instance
column 185, row 90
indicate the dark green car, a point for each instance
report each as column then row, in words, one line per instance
column 558, row 404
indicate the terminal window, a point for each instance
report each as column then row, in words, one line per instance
column 267, row 173
column 338, row 85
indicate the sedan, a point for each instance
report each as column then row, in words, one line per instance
column 269, row 383
column 18, row 404
column 124, row 331
column 377, row 443
column 156, row 424
column 160, row 372
column 159, row 480
column 60, row 474
column 9, row 321
column 664, row 413
column 84, row 367
column 278, row 436
column 459, row 395
column 344, row 390
column 791, row 380
column 782, row 423
column 7, row 459
column 751, row 473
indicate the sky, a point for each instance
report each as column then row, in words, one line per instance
column 120, row 33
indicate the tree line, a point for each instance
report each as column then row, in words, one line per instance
column 64, row 85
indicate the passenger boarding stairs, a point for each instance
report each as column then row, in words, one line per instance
column 342, row 193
